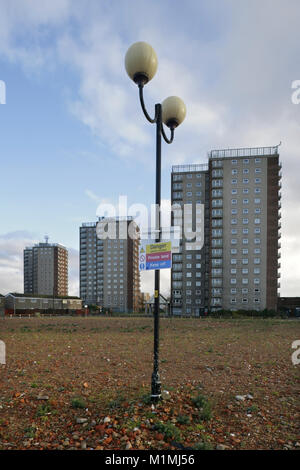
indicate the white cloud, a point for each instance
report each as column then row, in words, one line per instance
column 234, row 74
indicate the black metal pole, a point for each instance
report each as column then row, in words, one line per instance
column 156, row 384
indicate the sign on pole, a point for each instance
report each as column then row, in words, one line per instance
column 155, row 255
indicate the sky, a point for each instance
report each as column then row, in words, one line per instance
column 72, row 134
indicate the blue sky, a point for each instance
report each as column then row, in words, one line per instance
column 72, row 133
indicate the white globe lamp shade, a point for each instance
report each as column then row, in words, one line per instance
column 173, row 111
column 141, row 62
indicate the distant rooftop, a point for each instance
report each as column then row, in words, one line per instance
column 100, row 219
column 190, row 168
column 244, row 152
column 33, row 296
column 45, row 245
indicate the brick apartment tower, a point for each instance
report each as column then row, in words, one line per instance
column 238, row 265
column 46, row 269
column 189, row 275
column 244, row 228
column 109, row 269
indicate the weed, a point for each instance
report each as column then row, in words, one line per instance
column 183, row 419
column 78, row 403
column 204, row 407
column 116, row 403
column 168, row 430
column 43, row 410
column 30, row 432
column 204, row 445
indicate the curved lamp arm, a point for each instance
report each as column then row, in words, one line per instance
column 169, row 141
column 141, row 86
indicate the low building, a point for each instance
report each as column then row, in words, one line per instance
column 290, row 305
column 2, row 305
column 16, row 304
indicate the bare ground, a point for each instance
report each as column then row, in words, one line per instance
column 62, row 369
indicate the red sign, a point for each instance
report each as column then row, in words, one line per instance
column 158, row 257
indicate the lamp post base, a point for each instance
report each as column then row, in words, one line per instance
column 155, row 387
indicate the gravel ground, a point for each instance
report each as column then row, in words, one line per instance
column 83, row 383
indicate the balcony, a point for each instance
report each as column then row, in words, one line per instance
column 177, row 296
column 278, row 255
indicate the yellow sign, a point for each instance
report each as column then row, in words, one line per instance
column 156, row 294
column 158, row 247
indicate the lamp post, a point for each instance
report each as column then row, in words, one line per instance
column 141, row 66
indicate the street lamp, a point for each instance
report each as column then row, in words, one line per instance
column 141, row 66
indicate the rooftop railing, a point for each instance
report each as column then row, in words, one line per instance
column 190, row 168
column 244, row 152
